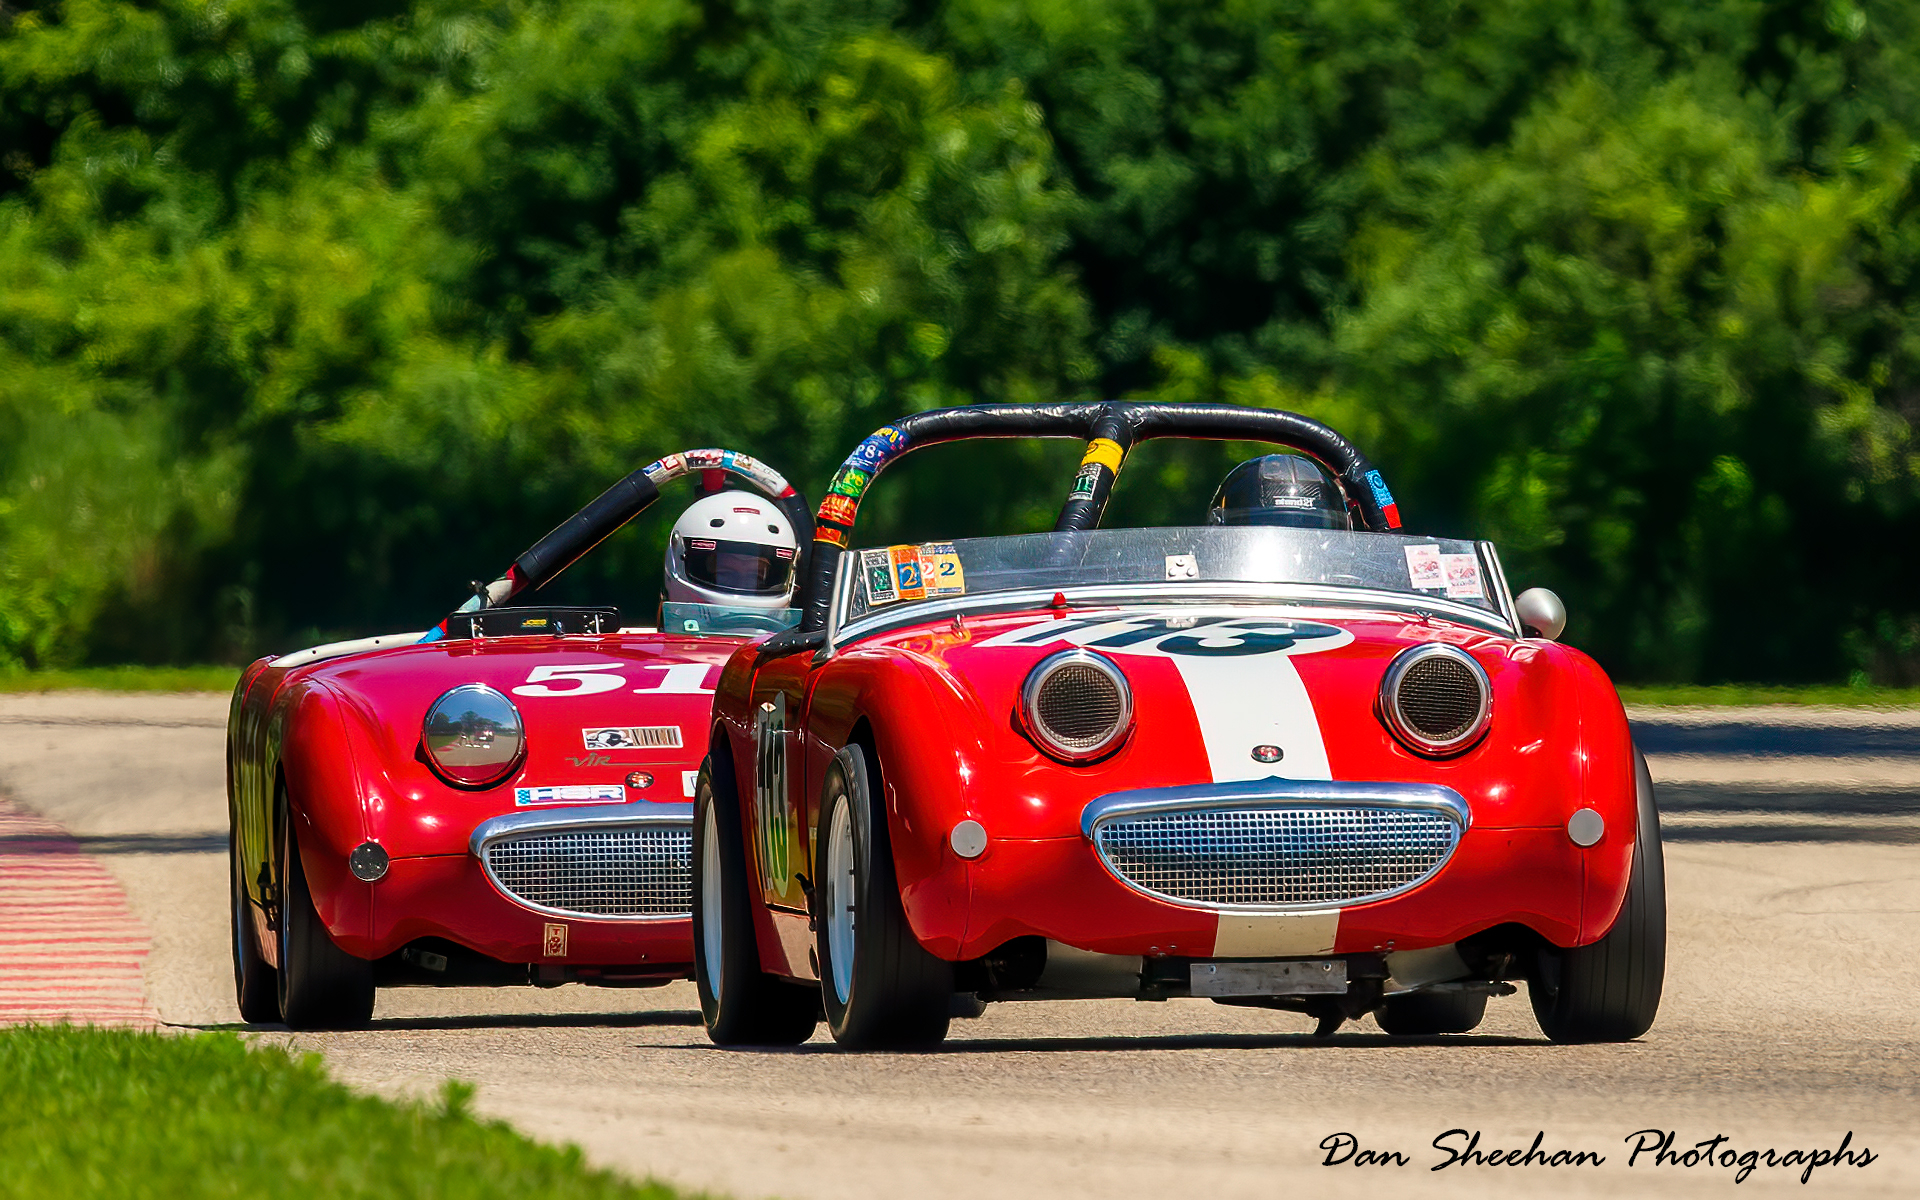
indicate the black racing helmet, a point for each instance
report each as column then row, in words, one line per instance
column 1279, row 489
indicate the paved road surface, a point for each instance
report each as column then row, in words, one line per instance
column 1790, row 1018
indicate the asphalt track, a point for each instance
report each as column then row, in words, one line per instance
column 1789, row 1021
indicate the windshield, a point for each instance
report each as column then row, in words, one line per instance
column 725, row 620
column 1418, row 567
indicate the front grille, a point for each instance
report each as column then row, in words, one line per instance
column 632, row 872
column 1310, row 855
column 1440, row 698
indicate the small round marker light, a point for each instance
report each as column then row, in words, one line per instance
column 968, row 839
column 1586, row 827
column 368, row 862
column 639, row 780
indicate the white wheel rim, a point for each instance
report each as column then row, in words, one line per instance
column 710, row 903
column 840, row 893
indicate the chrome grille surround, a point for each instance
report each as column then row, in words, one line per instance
column 625, row 862
column 1277, row 844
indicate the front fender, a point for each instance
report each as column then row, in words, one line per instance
column 1608, row 785
column 930, row 746
column 327, row 806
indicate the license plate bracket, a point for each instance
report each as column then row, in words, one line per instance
column 1296, row 977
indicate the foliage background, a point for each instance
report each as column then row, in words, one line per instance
column 310, row 313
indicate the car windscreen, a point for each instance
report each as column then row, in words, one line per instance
column 1381, row 562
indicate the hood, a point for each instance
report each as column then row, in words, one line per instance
column 1212, row 685
column 595, row 710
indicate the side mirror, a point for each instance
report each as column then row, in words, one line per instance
column 1541, row 613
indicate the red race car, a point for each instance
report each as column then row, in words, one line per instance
column 1290, row 757
column 505, row 797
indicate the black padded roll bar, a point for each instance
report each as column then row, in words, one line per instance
column 1111, row 430
column 627, row 499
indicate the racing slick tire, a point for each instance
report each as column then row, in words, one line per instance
column 1609, row 991
column 1432, row 1012
column 256, row 986
column 740, row 1004
column 321, row 985
column 880, row 987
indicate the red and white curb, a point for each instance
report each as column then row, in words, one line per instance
column 70, row 948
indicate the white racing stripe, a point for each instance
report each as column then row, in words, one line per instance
column 1257, row 700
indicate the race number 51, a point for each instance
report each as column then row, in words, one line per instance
column 593, row 679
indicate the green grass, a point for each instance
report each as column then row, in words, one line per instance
column 1741, row 693
column 98, row 1113
column 124, row 679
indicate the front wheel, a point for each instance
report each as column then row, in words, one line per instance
column 740, row 1004
column 256, row 986
column 878, row 984
column 321, row 985
column 1609, row 991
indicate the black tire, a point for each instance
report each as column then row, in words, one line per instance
column 1610, row 991
column 321, row 985
column 741, row 1004
column 1425, row 1013
column 256, row 986
column 893, row 992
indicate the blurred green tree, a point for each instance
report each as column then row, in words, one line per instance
column 310, row 313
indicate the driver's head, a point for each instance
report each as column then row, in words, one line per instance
column 1279, row 489
column 731, row 548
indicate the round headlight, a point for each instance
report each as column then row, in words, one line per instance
column 473, row 736
column 1436, row 699
column 1077, row 705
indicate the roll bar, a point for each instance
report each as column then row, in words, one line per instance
column 625, row 500
column 1110, row 430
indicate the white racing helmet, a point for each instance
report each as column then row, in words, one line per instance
column 732, row 548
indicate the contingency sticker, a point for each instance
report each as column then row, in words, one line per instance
column 1423, row 567
column 876, row 574
column 907, row 579
column 571, row 793
column 1463, row 577
column 842, row 509
column 642, row 737
column 944, row 574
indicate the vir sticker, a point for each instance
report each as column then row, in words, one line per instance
column 1423, row 567
column 876, row 572
column 1463, row 577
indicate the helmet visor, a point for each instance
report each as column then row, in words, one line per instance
column 1304, row 517
column 745, row 568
